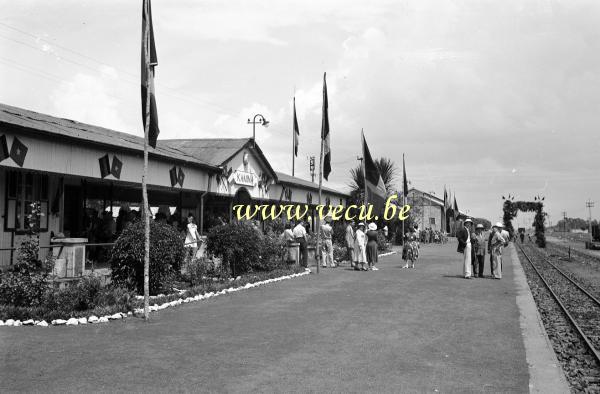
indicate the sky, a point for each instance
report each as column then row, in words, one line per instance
column 484, row 97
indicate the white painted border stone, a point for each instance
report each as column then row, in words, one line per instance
column 154, row 308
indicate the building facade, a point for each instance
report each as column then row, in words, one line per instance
column 79, row 172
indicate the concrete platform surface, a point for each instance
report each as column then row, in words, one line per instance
column 426, row 330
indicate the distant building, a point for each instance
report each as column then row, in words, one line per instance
column 428, row 211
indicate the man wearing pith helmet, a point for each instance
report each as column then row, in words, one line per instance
column 479, row 247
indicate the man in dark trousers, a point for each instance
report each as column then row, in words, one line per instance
column 463, row 235
column 300, row 236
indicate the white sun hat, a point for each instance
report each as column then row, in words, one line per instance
column 372, row 226
column 498, row 224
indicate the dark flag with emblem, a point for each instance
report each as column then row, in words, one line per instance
column 296, row 131
column 325, row 133
column 455, row 209
column 404, row 180
column 173, row 175
column 149, row 61
column 116, row 167
column 374, row 187
column 3, row 148
column 18, row 151
column 180, row 177
column 104, row 166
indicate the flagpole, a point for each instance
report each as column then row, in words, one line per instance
column 294, row 137
column 403, row 195
column 317, row 251
column 145, row 174
column 364, row 170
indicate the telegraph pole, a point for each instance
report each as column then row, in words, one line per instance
column 564, row 222
column 590, row 204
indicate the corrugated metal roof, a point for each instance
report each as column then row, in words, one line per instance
column 211, row 150
column 285, row 178
column 71, row 129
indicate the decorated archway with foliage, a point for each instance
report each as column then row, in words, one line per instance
column 511, row 208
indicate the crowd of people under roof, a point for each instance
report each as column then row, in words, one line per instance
column 360, row 240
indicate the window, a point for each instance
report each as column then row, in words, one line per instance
column 23, row 189
column 431, row 220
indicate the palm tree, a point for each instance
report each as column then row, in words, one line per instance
column 388, row 171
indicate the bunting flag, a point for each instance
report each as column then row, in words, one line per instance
column 180, row 177
column 3, row 148
column 296, row 131
column 149, row 61
column 173, row 175
column 18, row 151
column 374, row 186
column 404, row 180
column 104, row 166
column 325, row 133
column 116, row 167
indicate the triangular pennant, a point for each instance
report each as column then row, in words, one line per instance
column 3, row 148
column 180, row 177
column 18, row 151
column 117, row 165
column 173, row 175
column 104, row 162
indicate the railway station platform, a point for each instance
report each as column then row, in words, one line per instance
column 423, row 330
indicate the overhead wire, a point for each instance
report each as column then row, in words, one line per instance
column 173, row 92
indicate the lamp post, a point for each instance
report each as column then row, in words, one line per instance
column 253, row 122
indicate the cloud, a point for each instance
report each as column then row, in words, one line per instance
column 88, row 99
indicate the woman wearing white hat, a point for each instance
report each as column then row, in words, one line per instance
column 360, row 242
column 497, row 244
column 372, row 246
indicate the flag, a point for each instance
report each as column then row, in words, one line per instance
column 3, row 148
column 115, row 169
column 325, row 132
column 104, row 162
column 374, row 186
column 455, row 209
column 296, row 131
column 180, row 177
column 18, row 151
column 149, row 61
column 404, row 180
column 173, row 175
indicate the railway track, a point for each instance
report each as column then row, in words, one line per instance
column 571, row 316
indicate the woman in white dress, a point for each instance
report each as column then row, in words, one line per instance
column 360, row 247
column 191, row 239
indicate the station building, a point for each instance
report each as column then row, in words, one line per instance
column 76, row 170
column 430, row 211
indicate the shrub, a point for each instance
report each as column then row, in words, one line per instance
column 382, row 243
column 26, row 281
column 166, row 257
column 238, row 244
column 272, row 251
column 339, row 233
column 339, row 253
column 199, row 270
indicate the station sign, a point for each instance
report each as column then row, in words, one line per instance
column 244, row 178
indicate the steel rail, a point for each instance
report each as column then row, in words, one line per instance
column 558, row 301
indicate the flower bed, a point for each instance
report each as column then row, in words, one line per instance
column 18, row 316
